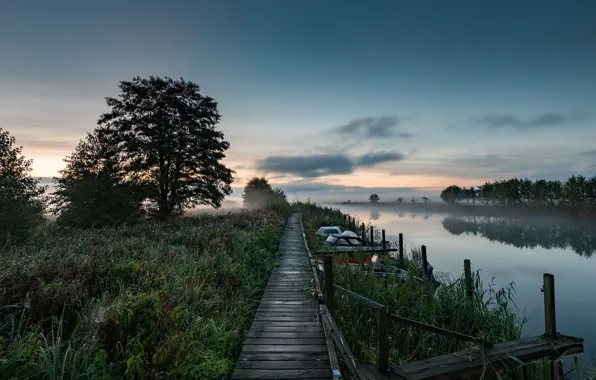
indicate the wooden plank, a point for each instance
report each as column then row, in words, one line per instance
column 285, row 341
column 289, row 348
column 286, row 324
column 501, row 356
column 297, row 334
column 294, row 318
column 437, row 330
column 315, row 373
column 287, row 314
column 293, row 356
column 289, row 302
column 278, row 328
column 283, row 364
column 357, row 297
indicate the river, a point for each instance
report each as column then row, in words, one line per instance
column 518, row 250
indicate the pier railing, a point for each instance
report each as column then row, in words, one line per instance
column 509, row 355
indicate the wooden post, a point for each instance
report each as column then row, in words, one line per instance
column 401, row 249
column 424, row 262
column 328, row 273
column 383, row 237
column 550, row 321
column 372, row 235
column 383, row 362
column 468, row 279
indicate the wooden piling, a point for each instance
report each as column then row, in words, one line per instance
column 383, row 237
column 328, row 273
column 468, row 278
column 424, row 262
column 550, row 321
column 372, row 235
column 401, row 248
column 383, row 358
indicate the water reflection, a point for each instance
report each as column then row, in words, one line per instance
column 523, row 233
column 375, row 214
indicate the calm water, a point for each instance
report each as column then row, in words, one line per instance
column 510, row 250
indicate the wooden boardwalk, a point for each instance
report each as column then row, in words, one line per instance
column 286, row 339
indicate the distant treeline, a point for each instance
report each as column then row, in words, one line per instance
column 577, row 192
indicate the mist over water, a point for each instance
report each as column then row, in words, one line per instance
column 506, row 249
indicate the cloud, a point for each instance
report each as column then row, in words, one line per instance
column 308, row 166
column 495, row 122
column 373, row 128
column 319, row 165
column 588, row 153
column 371, row 159
column 48, row 145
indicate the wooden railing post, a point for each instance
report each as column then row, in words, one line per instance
column 424, row 262
column 383, row 237
column 372, row 235
column 401, row 249
column 468, row 279
column 550, row 321
column 328, row 273
column 383, row 362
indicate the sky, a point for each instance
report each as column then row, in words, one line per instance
column 330, row 100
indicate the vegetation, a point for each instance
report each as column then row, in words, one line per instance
column 138, row 298
column 258, row 193
column 487, row 316
column 577, row 193
column 152, row 300
column 374, row 198
column 21, row 201
column 158, row 147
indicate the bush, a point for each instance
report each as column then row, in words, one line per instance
column 21, row 202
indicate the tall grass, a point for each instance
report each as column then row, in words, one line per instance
column 487, row 315
column 147, row 301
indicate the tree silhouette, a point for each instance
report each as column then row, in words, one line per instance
column 577, row 194
column 374, row 198
column 21, row 202
column 400, row 200
column 92, row 190
column 258, row 193
column 166, row 133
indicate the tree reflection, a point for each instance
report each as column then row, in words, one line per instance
column 521, row 233
column 375, row 214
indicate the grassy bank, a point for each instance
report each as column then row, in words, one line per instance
column 147, row 301
column 487, row 316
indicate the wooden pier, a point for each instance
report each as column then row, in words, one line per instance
column 286, row 339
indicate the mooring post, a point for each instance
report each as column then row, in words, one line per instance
column 383, row 362
column 424, row 262
column 401, row 249
column 468, row 278
column 550, row 321
column 328, row 273
column 383, row 237
column 372, row 235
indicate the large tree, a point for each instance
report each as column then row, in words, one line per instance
column 166, row 133
column 93, row 190
column 21, row 201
